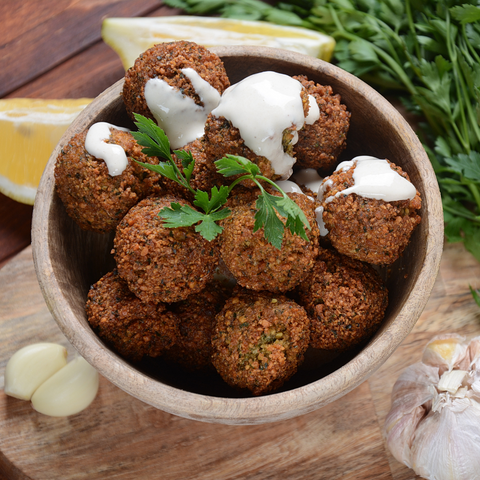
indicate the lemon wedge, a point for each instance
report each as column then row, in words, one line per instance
column 29, row 131
column 129, row 37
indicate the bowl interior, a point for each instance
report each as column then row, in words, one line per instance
column 68, row 261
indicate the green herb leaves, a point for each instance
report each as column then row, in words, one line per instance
column 269, row 206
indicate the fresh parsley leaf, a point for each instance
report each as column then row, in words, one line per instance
column 180, row 216
column 188, row 162
column 163, row 168
column 151, row 136
column 267, row 218
column 208, row 229
column 218, row 197
column 234, row 165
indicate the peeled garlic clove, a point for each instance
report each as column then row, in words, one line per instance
column 446, row 352
column 30, row 366
column 68, row 391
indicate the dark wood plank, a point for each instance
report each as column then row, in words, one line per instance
column 86, row 74
column 15, row 225
column 59, row 37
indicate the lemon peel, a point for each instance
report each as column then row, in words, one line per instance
column 129, row 37
column 29, row 131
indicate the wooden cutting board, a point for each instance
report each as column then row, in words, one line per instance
column 119, row 437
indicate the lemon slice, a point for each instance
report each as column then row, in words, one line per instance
column 129, row 37
column 29, row 131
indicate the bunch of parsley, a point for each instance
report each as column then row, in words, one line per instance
column 210, row 205
column 426, row 52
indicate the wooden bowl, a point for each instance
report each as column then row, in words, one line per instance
column 69, row 260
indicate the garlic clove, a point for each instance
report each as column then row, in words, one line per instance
column 451, row 381
column 446, row 352
column 410, row 393
column 30, row 366
column 69, row 391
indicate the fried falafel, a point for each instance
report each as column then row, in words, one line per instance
column 92, row 197
column 162, row 264
column 320, row 144
column 368, row 229
column 254, row 262
column 133, row 328
column 345, row 300
column 259, row 340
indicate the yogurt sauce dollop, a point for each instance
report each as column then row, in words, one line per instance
column 178, row 115
column 113, row 155
column 262, row 106
column 374, row 178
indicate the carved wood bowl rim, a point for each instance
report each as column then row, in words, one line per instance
column 51, row 249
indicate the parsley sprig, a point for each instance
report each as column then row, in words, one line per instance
column 211, row 204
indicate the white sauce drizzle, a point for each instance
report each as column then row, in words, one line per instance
column 177, row 114
column 308, row 177
column 113, row 155
column 262, row 106
column 320, row 222
column 374, row 178
column 313, row 111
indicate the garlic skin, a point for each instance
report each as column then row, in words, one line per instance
column 69, row 391
column 433, row 426
column 30, row 366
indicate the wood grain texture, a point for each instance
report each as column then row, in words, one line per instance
column 68, row 260
column 120, row 437
column 41, row 38
column 15, row 225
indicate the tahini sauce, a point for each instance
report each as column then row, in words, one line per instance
column 113, row 155
column 178, row 115
column 374, row 178
column 262, row 106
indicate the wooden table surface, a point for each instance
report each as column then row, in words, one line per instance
column 53, row 49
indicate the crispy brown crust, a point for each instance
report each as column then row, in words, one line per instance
column 258, row 265
column 204, row 175
column 222, row 138
column 320, row 144
column 92, row 197
column 345, row 300
column 367, row 229
column 165, row 61
column 162, row 264
column 196, row 314
column 133, row 328
column 259, row 340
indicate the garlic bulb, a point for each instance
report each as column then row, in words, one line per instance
column 433, row 426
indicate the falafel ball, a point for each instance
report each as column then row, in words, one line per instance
column 254, row 262
column 92, row 197
column 222, row 138
column 196, row 314
column 165, row 61
column 320, row 144
column 368, row 229
column 345, row 300
column 259, row 341
column 133, row 328
column 162, row 264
